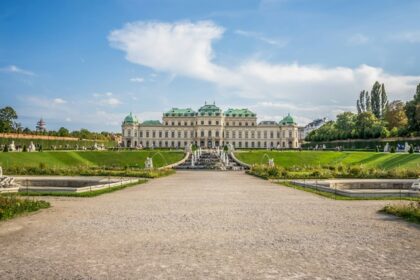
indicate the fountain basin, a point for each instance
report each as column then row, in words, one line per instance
column 68, row 183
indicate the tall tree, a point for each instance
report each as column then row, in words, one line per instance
column 363, row 103
column 384, row 100
column 368, row 102
column 7, row 119
column 375, row 100
column 412, row 110
column 395, row 115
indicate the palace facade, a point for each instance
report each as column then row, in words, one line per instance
column 209, row 127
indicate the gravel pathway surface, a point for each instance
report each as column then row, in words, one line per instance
column 209, row 225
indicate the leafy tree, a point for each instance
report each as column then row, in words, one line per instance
column 365, row 122
column 363, row 103
column 63, row 132
column 7, row 119
column 395, row 115
column 412, row 110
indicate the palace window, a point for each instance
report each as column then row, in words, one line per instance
column 173, row 123
column 240, row 134
column 160, row 134
column 271, row 135
column 246, row 135
column 217, row 133
column 209, row 133
column 179, row 123
column 185, row 123
column 173, row 135
column 209, row 122
column 129, row 132
column 265, row 134
column 217, row 122
column 166, row 134
column 147, row 134
column 202, row 122
column 252, row 134
column 135, row 134
column 240, row 124
column 259, row 135
column 153, row 134
column 227, row 134
column 246, row 124
column 179, row 134
column 233, row 134
column 202, row 133
column 141, row 133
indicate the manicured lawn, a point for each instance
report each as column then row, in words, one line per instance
column 71, row 159
column 319, row 158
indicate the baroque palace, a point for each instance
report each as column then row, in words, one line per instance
column 209, row 127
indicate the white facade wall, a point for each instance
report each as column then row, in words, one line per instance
column 210, row 131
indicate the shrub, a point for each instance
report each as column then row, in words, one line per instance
column 11, row 206
column 392, row 150
column 411, row 150
column 24, row 148
column 5, row 149
column 410, row 211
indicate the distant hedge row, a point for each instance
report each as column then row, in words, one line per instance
column 49, row 144
column 368, row 145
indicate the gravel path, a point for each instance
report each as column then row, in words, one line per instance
column 209, row 225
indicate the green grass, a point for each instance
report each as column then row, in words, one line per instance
column 289, row 159
column 410, row 212
column 12, row 206
column 103, row 159
column 84, row 194
column 342, row 197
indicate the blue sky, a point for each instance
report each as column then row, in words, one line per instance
column 86, row 64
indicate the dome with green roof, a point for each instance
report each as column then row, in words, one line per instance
column 209, row 110
column 131, row 119
column 288, row 120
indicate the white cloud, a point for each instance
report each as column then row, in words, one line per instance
column 107, row 99
column 185, row 49
column 408, row 36
column 272, row 41
column 358, row 39
column 137, row 80
column 59, row 101
column 17, row 70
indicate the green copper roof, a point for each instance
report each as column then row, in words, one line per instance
column 288, row 120
column 175, row 112
column 151, row 123
column 209, row 110
column 131, row 119
column 239, row 113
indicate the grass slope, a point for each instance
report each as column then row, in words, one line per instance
column 318, row 158
column 89, row 159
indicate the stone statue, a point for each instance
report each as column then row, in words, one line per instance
column 386, row 148
column 31, row 147
column 148, row 164
column 1, row 172
column 406, row 147
column 12, row 146
column 271, row 162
